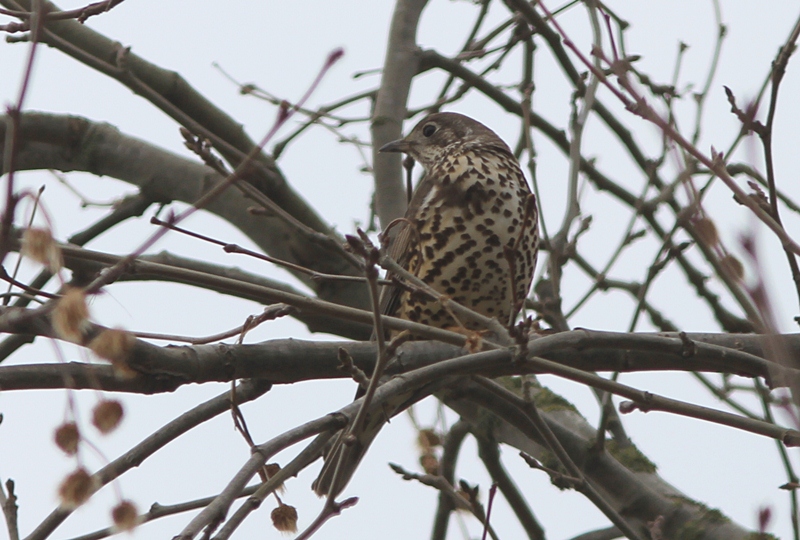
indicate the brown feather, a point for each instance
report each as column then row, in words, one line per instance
column 470, row 213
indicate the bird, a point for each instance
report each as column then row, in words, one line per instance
column 470, row 213
column 470, row 232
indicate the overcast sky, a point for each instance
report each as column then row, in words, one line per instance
column 280, row 46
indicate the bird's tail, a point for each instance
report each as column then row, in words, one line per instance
column 346, row 453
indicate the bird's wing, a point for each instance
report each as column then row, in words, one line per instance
column 403, row 247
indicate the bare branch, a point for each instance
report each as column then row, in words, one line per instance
column 399, row 69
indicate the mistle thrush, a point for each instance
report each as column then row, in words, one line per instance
column 470, row 232
column 471, row 228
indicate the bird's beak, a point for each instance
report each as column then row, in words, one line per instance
column 400, row 145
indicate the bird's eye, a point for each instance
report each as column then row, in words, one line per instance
column 429, row 130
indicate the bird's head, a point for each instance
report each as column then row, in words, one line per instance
column 441, row 134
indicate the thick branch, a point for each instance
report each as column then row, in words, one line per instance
column 399, row 68
column 287, row 361
column 69, row 143
column 624, row 483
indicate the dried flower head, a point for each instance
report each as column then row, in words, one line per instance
column 706, row 231
column 428, row 439
column 115, row 345
column 38, row 245
column 284, row 518
column 67, row 438
column 429, row 462
column 76, row 488
column 107, row 415
column 271, row 469
column 474, row 342
column 125, row 516
column 733, row 266
column 71, row 316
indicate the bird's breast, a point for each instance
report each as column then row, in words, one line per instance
column 476, row 242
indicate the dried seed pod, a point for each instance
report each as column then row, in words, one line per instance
column 284, row 518
column 71, row 316
column 38, row 245
column 76, row 488
column 67, row 438
column 706, row 231
column 115, row 345
column 107, row 415
column 733, row 266
column 125, row 516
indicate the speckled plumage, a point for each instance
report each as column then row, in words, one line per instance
column 472, row 202
column 471, row 210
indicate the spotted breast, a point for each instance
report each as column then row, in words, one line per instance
column 470, row 232
column 471, row 228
